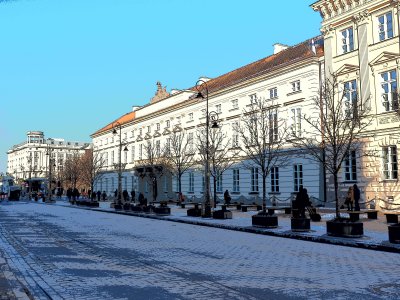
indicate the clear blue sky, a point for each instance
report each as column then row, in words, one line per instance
column 69, row 67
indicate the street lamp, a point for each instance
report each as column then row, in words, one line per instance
column 51, row 163
column 117, row 124
column 201, row 86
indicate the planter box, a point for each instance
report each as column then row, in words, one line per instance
column 136, row 208
column 148, row 209
column 93, row 204
column 222, row 214
column 263, row 219
column 300, row 224
column 394, row 233
column 345, row 228
column 127, row 206
column 118, row 206
column 162, row 210
column 194, row 212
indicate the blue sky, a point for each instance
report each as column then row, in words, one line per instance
column 69, row 67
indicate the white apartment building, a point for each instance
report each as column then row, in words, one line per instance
column 30, row 160
column 290, row 78
column 362, row 48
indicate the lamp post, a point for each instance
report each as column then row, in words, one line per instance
column 117, row 124
column 29, row 158
column 51, row 163
column 201, row 86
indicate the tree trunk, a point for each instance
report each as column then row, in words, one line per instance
column 215, row 191
column 264, row 193
column 335, row 180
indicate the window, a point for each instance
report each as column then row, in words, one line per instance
column 167, row 124
column 385, row 26
column 275, row 180
column 273, row 127
column 219, row 182
column 350, row 98
column 168, row 145
column 389, row 90
column 350, row 166
column 178, row 120
column 203, row 113
column 165, row 184
column 112, row 157
column 253, row 98
column 203, row 183
column 140, row 151
column 190, row 117
column 235, row 104
column 297, row 177
column 296, row 86
column 235, row 134
column 347, row 40
column 158, row 148
column 148, row 129
column 140, row 131
column 236, row 186
column 133, row 153
column 218, row 108
column 125, row 156
column 146, row 187
column 295, row 119
column 254, row 179
column 132, row 133
column 390, row 162
column 190, row 142
column 158, row 126
column 191, row 182
column 125, row 136
column 273, row 93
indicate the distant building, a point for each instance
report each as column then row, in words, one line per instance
column 30, row 159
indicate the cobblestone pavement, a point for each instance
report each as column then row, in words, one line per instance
column 59, row 253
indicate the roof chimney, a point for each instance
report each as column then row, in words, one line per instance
column 279, row 47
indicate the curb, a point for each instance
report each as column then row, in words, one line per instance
column 384, row 246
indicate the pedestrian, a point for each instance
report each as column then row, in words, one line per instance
column 125, row 195
column 181, row 198
column 116, row 194
column 98, row 196
column 357, row 195
column 104, row 195
column 141, row 199
column 350, row 199
column 227, row 197
column 93, row 197
column 133, row 196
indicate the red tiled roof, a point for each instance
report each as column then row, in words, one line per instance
column 121, row 120
column 267, row 64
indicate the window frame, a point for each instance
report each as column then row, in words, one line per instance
column 254, row 188
column 236, row 180
column 347, row 41
column 274, row 175
column 383, row 28
column 389, row 161
column 297, row 177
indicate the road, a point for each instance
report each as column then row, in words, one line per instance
column 58, row 252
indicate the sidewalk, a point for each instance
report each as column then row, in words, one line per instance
column 375, row 231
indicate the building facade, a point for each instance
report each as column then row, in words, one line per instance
column 30, row 159
column 289, row 78
column 362, row 49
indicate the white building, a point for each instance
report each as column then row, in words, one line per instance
column 29, row 159
column 290, row 78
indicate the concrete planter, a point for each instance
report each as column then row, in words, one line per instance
column 162, row 210
column 222, row 214
column 300, row 224
column 344, row 228
column 136, row 208
column 394, row 233
column 263, row 219
column 194, row 212
column 127, row 206
column 118, row 206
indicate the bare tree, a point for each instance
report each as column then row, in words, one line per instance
column 72, row 169
column 263, row 136
column 334, row 128
column 221, row 155
column 92, row 164
column 153, row 164
column 179, row 154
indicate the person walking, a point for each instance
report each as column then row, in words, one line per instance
column 133, row 195
column 350, row 199
column 98, row 196
column 227, row 197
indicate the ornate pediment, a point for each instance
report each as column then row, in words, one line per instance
column 156, row 134
column 166, row 131
column 139, row 138
column 384, row 57
column 161, row 93
column 177, row 128
column 346, row 69
column 147, row 136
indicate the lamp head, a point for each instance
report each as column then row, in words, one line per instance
column 199, row 96
column 114, row 131
column 215, row 125
column 126, row 149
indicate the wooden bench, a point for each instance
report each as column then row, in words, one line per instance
column 355, row 215
column 392, row 217
column 244, row 208
column 271, row 209
column 195, row 204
